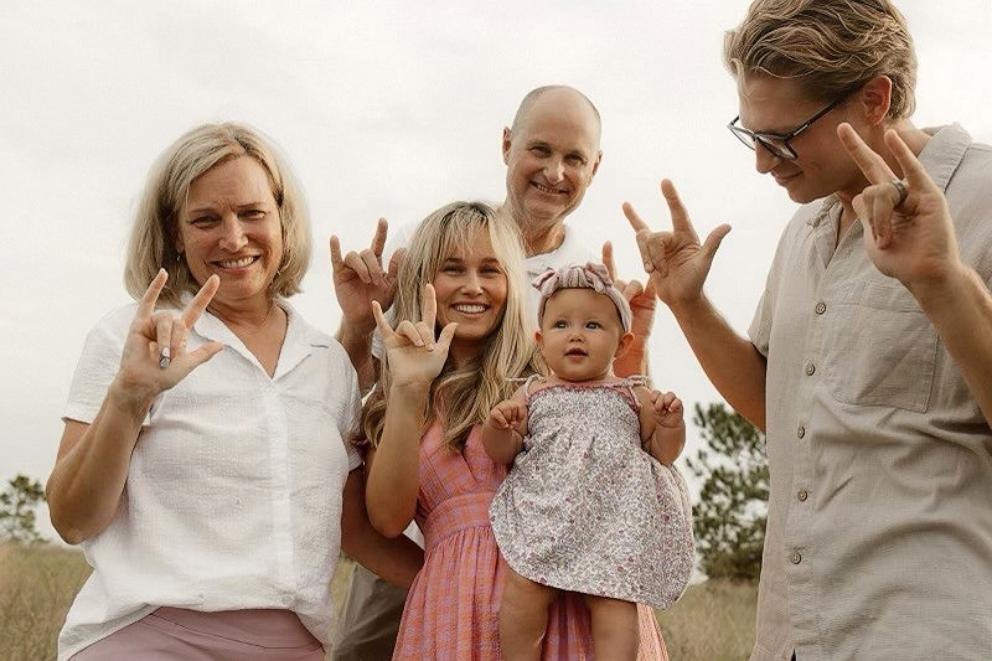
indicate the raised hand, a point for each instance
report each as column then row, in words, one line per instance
column 642, row 300
column 667, row 409
column 509, row 414
column 415, row 355
column 908, row 236
column 359, row 279
column 154, row 358
column 676, row 262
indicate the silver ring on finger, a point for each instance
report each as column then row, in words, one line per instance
column 901, row 189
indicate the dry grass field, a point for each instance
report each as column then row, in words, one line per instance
column 714, row 621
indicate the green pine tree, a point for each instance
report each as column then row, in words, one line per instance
column 17, row 510
column 729, row 520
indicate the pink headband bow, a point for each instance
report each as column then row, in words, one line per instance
column 575, row 276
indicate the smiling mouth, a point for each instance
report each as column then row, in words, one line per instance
column 239, row 263
column 548, row 189
column 470, row 309
column 783, row 180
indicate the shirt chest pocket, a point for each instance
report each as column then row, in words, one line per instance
column 881, row 349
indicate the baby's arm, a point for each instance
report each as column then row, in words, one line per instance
column 662, row 426
column 503, row 432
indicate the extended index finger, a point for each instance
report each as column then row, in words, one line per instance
column 608, row 262
column 635, row 221
column 379, row 239
column 872, row 165
column 680, row 216
column 195, row 308
column 146, row 306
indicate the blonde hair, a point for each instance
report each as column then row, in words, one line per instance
column 462, row 395
column 156, row 223
column 831, row 47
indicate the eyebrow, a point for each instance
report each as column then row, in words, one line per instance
column 240, row 207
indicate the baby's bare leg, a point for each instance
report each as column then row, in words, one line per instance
column 523, row 617
column 615, row 633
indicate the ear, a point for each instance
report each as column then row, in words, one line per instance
column 539, row 338
column 624, row 344
column 875, row 99
column 179, row 243
column 507, row 138
column 595, row 166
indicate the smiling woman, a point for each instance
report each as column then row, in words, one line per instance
column 205, row 465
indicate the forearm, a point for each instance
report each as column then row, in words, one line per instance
column 393, row 482
column 634, row 360
column 358, row 345
column 502, row 445
column 730, row 361
column 396, row 560
column 85, row 487
column 960, row 309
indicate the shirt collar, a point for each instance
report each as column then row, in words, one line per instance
column 940, row 157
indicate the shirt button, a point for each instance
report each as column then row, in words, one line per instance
column 801, row 432
column 796, row 558
column 803, row 495
column 810, row 369
column 821, row 307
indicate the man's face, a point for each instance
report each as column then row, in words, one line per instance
column 821, row 166
column 551, row 158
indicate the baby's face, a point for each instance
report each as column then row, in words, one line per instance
column 580, row 334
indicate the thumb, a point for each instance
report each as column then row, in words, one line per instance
column 714, row 240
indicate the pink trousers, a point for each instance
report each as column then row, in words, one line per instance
column 174, row 634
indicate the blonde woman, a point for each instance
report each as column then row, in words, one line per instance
column 459, row 342
column 203, row 466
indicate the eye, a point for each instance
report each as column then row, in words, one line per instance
column 559, row 324
column 575, row 159
column 203, row 221
column 253, row 214
column 593, row 325
column 452, row 268
column 539, row 150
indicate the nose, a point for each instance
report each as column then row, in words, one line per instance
column 764, row 160
column 233, row 234
column 472, row 283
column 554, row 170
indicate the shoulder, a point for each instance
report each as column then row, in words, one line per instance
column 324, row 345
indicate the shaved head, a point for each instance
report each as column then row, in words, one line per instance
column 554, row 94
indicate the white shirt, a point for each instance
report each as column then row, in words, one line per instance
column 234, row 492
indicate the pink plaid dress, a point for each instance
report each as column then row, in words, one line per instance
column 452, row 608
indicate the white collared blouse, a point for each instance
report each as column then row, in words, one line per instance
column 234, row 492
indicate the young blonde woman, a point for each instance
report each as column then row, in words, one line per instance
column 459, row 342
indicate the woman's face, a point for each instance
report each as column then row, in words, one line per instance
column 471, row 290
column 231, row 226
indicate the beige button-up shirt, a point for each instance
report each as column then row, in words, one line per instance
column 879, row 537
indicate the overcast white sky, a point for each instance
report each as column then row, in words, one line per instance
column 385, row 108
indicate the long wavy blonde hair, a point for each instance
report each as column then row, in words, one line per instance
column 461, row 396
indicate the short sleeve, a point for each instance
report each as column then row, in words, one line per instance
column 760, row 329
column 97, row 366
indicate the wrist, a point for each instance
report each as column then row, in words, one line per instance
column 128, row 399
column 943, row 287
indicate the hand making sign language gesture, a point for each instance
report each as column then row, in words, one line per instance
column 415, row 355
column 360, row 279
column 908, row 231
column 154, row 357
column 676, row 262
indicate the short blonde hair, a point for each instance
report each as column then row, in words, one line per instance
column 831, row 47
column 153, row 233
column 462, row 396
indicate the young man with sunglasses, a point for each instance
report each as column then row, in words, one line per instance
column 869, row 360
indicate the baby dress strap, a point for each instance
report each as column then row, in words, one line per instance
column 528, row 381
column 630, row 383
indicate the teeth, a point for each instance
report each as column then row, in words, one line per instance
column 237, row 263
column 547, row 189
column 470, row 309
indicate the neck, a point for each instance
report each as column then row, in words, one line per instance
column 915, row 139
column 540, row 236
column 252, row 316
